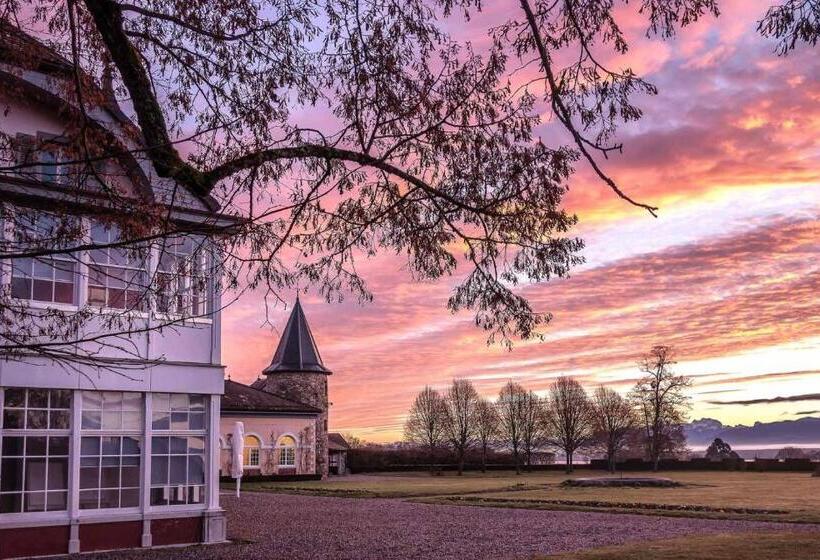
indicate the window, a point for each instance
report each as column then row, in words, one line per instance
column 34, row 451
column 178, row 457
column 116, row 275
column 287, row 451
column 110, row 449
column 251, row 452
column 47, row 278
column 182, row 276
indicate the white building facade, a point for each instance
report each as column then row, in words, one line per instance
column 125, row 454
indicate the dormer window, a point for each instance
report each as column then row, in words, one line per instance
column 44, row 158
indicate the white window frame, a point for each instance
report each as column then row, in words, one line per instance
column 282, row 448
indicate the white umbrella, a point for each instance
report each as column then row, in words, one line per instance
column 238, row 444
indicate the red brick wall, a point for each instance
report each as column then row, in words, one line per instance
column 34, row 541
column 183, row 530
column 110, row 536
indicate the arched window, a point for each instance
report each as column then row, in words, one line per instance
column 251, row 452
column 287, row 451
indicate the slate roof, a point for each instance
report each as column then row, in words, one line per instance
column 243, row 398
column 297, row 351
column 336, row 442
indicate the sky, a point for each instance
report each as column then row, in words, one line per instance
column 728, row 274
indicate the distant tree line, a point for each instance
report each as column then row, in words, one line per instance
column 647, row 421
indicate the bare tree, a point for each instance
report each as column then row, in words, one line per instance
column 568, row 418
column 612, row 419
column 511, row 411
column 487, row 422
column 661, row 402
column 532, row 426
column 426, row 422
column 461, row 402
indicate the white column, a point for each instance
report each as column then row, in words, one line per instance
column 214, row 453
column 145, row 473
column 74, row 471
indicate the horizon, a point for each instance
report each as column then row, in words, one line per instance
column 728, row 151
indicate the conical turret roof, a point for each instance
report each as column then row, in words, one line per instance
column 297, row 350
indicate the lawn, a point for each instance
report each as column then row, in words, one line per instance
column 717, row 494
column 758, row 546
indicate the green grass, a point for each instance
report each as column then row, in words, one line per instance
column 793, row 497
column 738, row 546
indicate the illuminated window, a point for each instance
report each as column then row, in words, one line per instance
column 47, row 278
column 182, row 276
column 287, row 451
column 251, row 451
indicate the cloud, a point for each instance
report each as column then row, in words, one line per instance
column 792, row 398
column 807, row 412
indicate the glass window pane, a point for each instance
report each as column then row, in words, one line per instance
column 198, row 402
column 130, row 477
column 178, row 469
column 159, row 470
column 130, row 497
column 131, row 421
column 159, row 445
column 161, row 421
column 14, row 419
column 89, row 499
column 90, row 446
column 38, row 398
column 41, row 268
column 11, row 503
column 196, row 469
column 109, row 477
column 159, row 496
column 197, row 444
column 179, row 401
column 14, row 398
column 89, row 477
column 12, row 446
column 59, row 419
column 130, row 446
column 111, row 445
column 57, row 446
column 56, row 501
column 43, row 290
column 196, row 494
column 92, row 420
column 20, row 288
column 35, row 474
column 61, row 398
column 112, row 419
column 36, row 419
column 179, row 420
column 197, row 421
column 36, row 446
column 58, row 473
column 161, row 401
column 11, row 474
column 63, row 292
column 179, row 445
column 34, row 501
column 92, row 400
column 132, row 402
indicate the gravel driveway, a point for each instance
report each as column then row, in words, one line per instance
column 318, row 528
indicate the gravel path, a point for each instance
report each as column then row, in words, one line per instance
column 318, row 528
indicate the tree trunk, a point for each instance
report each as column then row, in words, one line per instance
column 431, row 460
column 568, row 461
column 484, row 458
column 517, row 463
column 460, row 462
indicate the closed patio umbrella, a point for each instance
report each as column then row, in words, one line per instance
column 238, row 450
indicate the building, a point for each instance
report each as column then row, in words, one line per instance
column 125, row 455
column 285, row 412
column 337, row 453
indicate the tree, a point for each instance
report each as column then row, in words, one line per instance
column 568, row 417
column 612, row 420
column 487, row 423
column 424, row 147
column 511, row 411
column 791, row 453
column 719, row 450
column 426, row 422
column 661, row 403
column 532, row 426
column 461, row 401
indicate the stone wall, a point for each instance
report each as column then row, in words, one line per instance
column 310, row 389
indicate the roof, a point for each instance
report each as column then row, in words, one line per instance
column 336, row 442
column 297, row 350
column 243, row 398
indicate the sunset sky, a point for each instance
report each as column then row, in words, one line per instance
column 728, row 274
